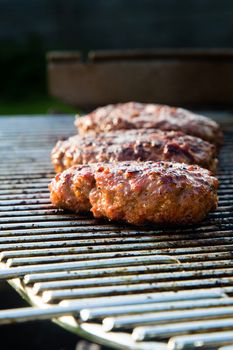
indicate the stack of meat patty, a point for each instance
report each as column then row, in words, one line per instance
column 139, row 163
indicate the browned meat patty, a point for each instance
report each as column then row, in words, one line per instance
column 140, row 144
column 134, row 115
column 137, row 192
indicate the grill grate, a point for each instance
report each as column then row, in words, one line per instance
column 124, row 286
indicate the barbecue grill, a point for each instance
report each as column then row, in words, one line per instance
column 123, row 286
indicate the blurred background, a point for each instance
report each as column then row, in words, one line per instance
column 28, row 29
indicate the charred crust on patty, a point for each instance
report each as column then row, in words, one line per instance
column 134, row 115
column 140, row 145
column 155, row 192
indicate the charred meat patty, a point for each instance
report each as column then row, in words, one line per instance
column 137, row 192
column 136, row 144
column 135, row 115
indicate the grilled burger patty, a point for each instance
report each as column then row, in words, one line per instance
column 140, row 144
column 135, row 115
column 137, row 192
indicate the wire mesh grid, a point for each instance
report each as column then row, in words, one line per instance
column 120, row 285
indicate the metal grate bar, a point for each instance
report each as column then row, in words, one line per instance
column 21, row 271
column 58, row 295
column 63, row 253
column 148, row 333
column 172, row 276
column 82, row 257
column 129, row 322
column 147, row 298
column 72, row 274
column 200, row 340
column 34, row 313
column 142, row 309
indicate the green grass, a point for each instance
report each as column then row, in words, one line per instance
column 34, row 105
